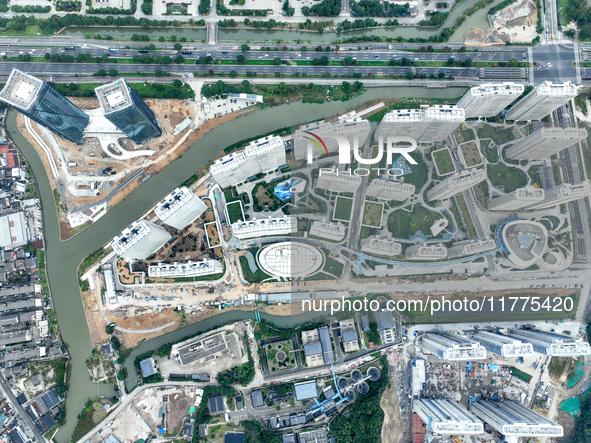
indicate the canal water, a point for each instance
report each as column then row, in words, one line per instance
column 476, row 20
column 191, row 34
column 64, row 257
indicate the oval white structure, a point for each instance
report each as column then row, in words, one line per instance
column 524, row 242
column 290, row 259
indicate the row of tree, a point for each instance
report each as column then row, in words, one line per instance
column 375, row 8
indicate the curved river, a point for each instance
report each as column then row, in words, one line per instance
column 63, row 257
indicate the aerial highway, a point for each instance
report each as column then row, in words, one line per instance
column 88, row 69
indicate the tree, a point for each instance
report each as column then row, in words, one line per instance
column 277, row 61
column 410, row 75
column 179, row 59
column 177, row 83
column 240, row 59
column 233, row 73
column 161, row 38
column 113, row 72
column 101, row 73
column 245, row 47
column 178, row 46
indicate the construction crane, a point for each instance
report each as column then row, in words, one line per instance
column 456, row 439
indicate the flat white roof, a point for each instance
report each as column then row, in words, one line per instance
column 21, row 89
column 113, row 96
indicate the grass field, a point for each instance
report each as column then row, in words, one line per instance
column 506, row 177
column 332, row 266
column 235, row 212
column 420, row 172
column 443, row 161
column 402, row 224
column 499, row 135
column 342, row 209
column 466, row 215
column 372, row 214
column 471, row 154
column 256, row 277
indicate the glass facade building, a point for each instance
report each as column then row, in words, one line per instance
column 43, row 104
column 123, row 107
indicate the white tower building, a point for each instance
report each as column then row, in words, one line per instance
column 140, row 240
column 563, row 193
column 389, row 190
column 545, row 98
column 518, row 199
column 489, row 99
column 456, row 183
column 180, row 208
column 545, row 142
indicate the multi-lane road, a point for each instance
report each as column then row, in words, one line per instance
column 552, row 62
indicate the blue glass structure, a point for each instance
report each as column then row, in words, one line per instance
column 43, row 104
column 123, row 107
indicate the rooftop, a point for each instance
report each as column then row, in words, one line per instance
column 114, row 96
column 21, row 89
column 490, row 89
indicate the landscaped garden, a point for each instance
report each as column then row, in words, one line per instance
column 280, row 356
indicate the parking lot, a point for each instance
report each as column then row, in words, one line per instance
column 217, row 108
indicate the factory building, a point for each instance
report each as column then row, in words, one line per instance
column 550, row 343
column 503, row 345
column 447, row 417
column 452, row 347
column 514, row 420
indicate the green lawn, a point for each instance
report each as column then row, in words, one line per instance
column 257, row 277
column 31, row 31
column 419, row 172
column 471, row 230
column 506, row 177
column 443, row 161
column 492, row 154
column 343, row 207
column 499, row 135
column 402, row 224
column 471, row 154
column 332, row 266
column 235, row 212
column 372, row 214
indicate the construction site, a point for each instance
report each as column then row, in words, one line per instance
column 155, row 411
column 517, row 23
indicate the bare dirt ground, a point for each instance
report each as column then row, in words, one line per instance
column 168, row 147
column 391, row 431
column 522, row 29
